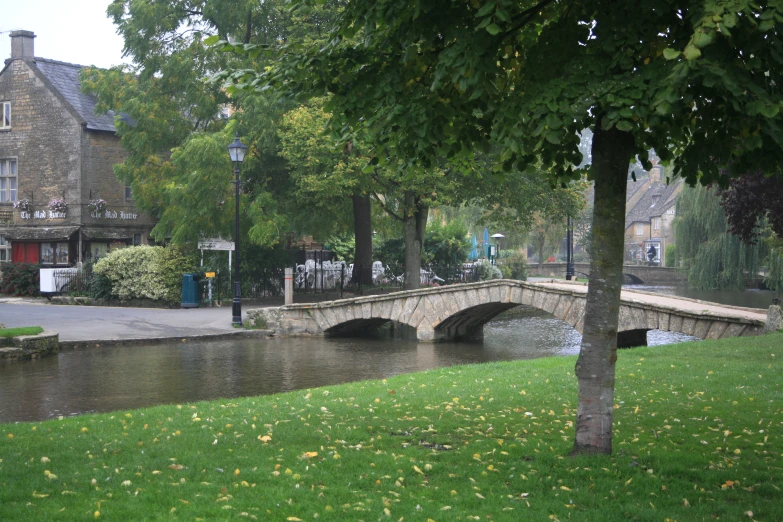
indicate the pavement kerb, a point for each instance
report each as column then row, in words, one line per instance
column 74, row 345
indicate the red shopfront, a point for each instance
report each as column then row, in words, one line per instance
column 49, row 247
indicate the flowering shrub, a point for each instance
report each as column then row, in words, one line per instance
column 57, row 205
column 20, row 279
column 145, row 272
column 96, row 205
column 22, row 204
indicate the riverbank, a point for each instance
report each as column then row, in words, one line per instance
column 698, row 436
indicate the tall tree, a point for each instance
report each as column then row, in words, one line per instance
column 713, row 257
column 439, row 79
column 175, row 126
column 329, row 175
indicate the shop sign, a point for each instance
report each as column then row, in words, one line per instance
column 41, row 214
column 113, row 214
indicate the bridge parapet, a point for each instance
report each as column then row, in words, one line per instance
column 460, row 311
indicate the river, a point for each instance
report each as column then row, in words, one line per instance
column 125, row 377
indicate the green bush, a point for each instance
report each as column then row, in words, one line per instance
column 514, row 265
column 487, row 272
column 145, row 272
column 20, row 279
column 671, row 255
column 446, row 245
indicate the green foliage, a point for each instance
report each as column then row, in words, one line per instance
column 446, row 245
column 390, row 251
column 343, row 246
column 713, row 258
column 145, row 272
column 514, row 265
column 174, row 261
column 671, row 255
column 20, row 279
column 487, row 271
column 774, row 277
column 22, row 330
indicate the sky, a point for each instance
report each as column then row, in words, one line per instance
column 73, row 31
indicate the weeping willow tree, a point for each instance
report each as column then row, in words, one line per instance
column 774, row 279
column 713, row 257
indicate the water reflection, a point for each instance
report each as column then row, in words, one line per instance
column 124, row 377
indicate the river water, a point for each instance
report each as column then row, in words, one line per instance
column 124, row 377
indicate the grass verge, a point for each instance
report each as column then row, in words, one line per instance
column 22, row 330
column 698, row 436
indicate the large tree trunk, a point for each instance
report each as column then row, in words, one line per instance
column 414, row 226
column 595, row 367
column 362, row 230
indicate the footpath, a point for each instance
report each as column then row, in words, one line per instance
column 82, row 324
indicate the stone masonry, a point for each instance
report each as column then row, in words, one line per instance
column 460, row 311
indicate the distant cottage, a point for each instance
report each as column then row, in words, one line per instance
column 649, row 213
column 60, row 202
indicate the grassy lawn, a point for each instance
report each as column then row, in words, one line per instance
column 698, row 436
column 22, row 330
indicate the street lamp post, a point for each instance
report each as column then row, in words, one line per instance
column 570, row 250
column 237, row 152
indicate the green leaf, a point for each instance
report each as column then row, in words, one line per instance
column 691, row 52
column 486, row 9
column 766, row 25
column 553, row 138
column 624, row 125
column 493, row 29
column 671, row 54
column 770, row 111
column 212, row 40
column 730, row 20
column 701, row 39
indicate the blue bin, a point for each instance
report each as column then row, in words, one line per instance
column 191, row 294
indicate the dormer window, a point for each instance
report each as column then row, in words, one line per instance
column 655, row 199
column 5, row 117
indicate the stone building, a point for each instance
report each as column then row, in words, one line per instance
column 60, row 202
column 649, row 213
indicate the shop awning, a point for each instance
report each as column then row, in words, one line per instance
column 109, row 234
column 40, row 233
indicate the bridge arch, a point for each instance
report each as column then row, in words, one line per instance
column 458, row 311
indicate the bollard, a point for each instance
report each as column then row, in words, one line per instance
column 289, row 286
column 773, row 319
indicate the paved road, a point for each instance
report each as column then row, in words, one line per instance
column 83, row 323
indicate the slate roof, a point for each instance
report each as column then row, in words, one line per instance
column 64, row 77
column 633, row 187
column 653, row 203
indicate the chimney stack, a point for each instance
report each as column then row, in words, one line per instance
column 22, row 45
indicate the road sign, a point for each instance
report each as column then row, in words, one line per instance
column 215, row 244
column 209, row 274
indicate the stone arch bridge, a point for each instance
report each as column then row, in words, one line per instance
column 461, row 311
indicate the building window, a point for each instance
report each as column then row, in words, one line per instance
column 639, row 229
column 136, row 239
column 5, row 120
column 8, row 180
column 656, row 223
column 54, row 253
column 128, row 193
column 5, row 249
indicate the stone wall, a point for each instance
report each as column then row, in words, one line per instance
column 31, row 346
column 45, row 140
